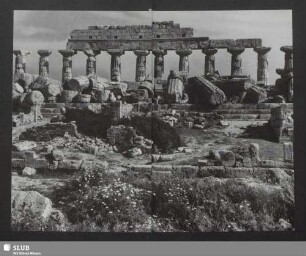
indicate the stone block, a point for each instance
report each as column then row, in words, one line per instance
column 18, row 163
column 206, row 171
column 271, row 163
column 58, row 155
column 249, row 43
column 188, row 124
column 141, row 168
column 202, row 162
column 155, row 157
column 288, row 151
column 38, row 163
column 186, row 171
column 164, row 158
column 134, row 152
column 24, row 145
column 24, row 154
column 93, row 150
column 162, row 168
column 53, row 165
column 48, row 149
column 157, row 174
column 240, row 172
column 254, row 152
column 28, row 171
column 227, row 158
column 221, row 43
column 69, row 164
column 187, row 150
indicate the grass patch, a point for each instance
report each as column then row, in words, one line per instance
column 99, row 201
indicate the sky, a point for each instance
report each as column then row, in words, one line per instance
column 34, row 30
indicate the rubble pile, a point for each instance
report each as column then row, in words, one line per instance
column 82, row 143
column 49, row 131
column 127, row 141
column 190, row 119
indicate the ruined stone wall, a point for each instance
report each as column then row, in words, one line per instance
column 121, row 135
column 157, row 30
column 120, row 110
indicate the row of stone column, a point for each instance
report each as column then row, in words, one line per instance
column 115, row 69
column 236, row 62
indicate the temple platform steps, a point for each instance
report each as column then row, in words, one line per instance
column 259, row 111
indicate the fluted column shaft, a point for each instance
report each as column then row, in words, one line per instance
column 262, row 65
column 159, row 63
column 20, row 60
column 91, row 62
column 141, row 65
column 44, row 62
column 184, row 63
column 209, row 60
column 236, row 60
column 67, row 64
column 115, row 68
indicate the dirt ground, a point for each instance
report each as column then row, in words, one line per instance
column 200, row 141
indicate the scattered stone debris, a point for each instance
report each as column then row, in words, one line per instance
column 133, row 152
column 24, row 145
column 223, row 123
column 49, row 131
column 28, row 171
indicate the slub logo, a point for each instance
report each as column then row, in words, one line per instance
column 7, row 247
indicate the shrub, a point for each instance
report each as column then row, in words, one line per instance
column 100, row 201
column 106, row 201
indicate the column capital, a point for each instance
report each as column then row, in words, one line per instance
column 183, row 52
column 262, row 50
column 236, row 50
column 67, row 53
column 287, row 49
column 141, row 52
column 91, row 53
column 159, row 52
column 115, row 52
column 21, row 52
column 283, row 71
column 209, row 51
column 44, row 53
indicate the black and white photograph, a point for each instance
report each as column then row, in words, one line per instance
column 152, row 121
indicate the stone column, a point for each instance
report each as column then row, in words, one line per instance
column 184, row 63
column 209, row 60
column 262, row 65
column 44, row 62
column 115, row 69
column 141, row 65
column 91, row 63
column 20, row 61
column 184, row 60
column 236, row 60
column 67, row 64
column 284, row 85
column 288, row 50
column 159, row 63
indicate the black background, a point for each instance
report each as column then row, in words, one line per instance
column 298, row 8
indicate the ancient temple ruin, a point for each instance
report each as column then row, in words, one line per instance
column 206, row 126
